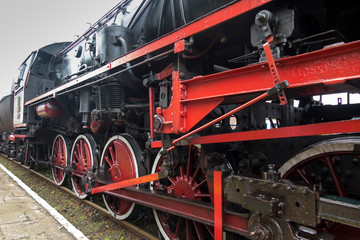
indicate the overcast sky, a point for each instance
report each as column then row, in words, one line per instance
column 27, row 25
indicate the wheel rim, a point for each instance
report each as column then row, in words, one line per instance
column 120, row 162
column 60, row 157
column 82, row 159
column 191, row 184
column 328, row 156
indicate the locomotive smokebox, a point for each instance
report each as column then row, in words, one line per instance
column 112, row 42
column 50, row 109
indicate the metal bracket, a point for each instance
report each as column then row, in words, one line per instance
column 89, row 186
column 278, row 88
column 218, row 205
column 274, row 71
column 340, row 210
column 179, row 46
column 274, row 199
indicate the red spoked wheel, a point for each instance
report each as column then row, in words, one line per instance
column 82, row 159
column 191, row 183
column 60, row 158
column 121, row 161
column 330, row 163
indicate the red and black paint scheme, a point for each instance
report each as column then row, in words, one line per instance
column 208, row 112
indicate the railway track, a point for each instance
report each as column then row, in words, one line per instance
column 127, row 225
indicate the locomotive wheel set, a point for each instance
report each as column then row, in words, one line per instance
column 208, row 112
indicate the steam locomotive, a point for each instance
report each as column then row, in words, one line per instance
column 209, row 112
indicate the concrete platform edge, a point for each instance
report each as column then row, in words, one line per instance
column 67, row 225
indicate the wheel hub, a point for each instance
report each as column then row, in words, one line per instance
column 82, row 164
column 115, row 173
column 184, row 187
column 60, row 159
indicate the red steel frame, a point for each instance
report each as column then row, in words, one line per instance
column 218, row 205
column 339, row 127
column 314, row 73
column 200, row 212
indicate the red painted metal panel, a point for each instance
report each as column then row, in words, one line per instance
column 321, row 68
column 324, row 67
column 228, row 114
column 179, row 46
column 200, row 212
column 273, row 69
column 177, row 110
column 349, row 126
column 14, row 137
column 156, row 144
column 167, row 72
column 218, row 205
column 270, row 59
column 198, row 110
column 126, row 183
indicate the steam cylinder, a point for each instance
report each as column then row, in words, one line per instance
column 6, row 113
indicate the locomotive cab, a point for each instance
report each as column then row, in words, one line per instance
column 35, row 78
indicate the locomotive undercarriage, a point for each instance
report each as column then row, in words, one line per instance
column 288, row 170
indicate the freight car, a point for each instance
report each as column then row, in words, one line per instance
column 208, row 111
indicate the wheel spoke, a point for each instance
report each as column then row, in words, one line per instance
column 182, row 171
column 210, row 231
column 79, row 147
column 178, row 226
column 77, row 157
column 196, row 175
column 165, row 218
column 112, row 154
column 336, row 177
column 108, row 160
column 204, row 182
column 58, row 146
column 189, row 229
column 62, row 147
column 199, row 231
column 87, row 153
column 301, row 173
column 172, row 180
column 78, row 151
